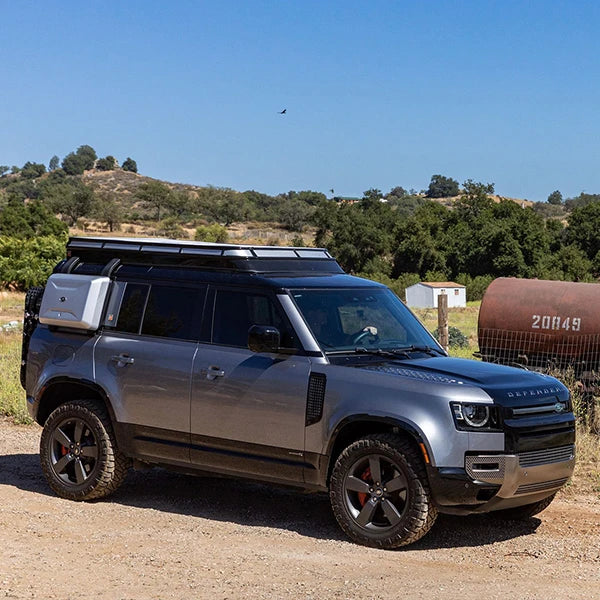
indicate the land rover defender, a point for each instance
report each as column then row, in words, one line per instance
column 271, row 363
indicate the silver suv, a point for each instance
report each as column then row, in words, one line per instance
column 273, row 364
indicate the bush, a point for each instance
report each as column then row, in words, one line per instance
column 170, row 228
column 24, row 263
column 456, row 338
column 211, row 233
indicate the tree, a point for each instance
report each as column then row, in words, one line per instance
column 53, row 164
column 154, row 194
column 32, row 170
column 371, row 198
column 294, row 215
column 75, row 163
column 20, row 220
column 106, row 164
column 555, row 198
column 72, row 164
column 4, row 169
column 72, row 199
column 106, row 209
column 129, row 165
column 582, row 200
column 441, row 187
column 421, row 241
column 88, row 156
column 584, row 229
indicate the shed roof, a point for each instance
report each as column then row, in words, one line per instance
column 442, row 284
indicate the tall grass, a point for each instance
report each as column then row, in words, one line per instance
column 12, row 396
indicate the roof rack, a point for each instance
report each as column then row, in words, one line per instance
column 242, row 257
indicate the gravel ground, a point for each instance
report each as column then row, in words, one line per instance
column 165, row 535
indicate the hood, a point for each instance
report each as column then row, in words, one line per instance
column 508, row 386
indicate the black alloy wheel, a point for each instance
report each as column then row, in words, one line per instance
column 78, row 451
column 74, row 451
column 379, row 492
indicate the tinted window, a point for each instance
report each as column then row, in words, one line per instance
column 132, row 308
column 236, row 311
column 170, row 312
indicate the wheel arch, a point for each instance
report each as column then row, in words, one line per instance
column 354, row 427
column 60, row 390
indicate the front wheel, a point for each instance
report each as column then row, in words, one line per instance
column 79, row 454
column 379, row 492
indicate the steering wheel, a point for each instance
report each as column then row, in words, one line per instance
column 366, row 332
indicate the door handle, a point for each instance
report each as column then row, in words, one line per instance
column 214, row 372
column 123, row 359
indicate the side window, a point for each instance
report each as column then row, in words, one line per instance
column 132, row 307
column 236, row 311
column 164, row 311
column 170, row 312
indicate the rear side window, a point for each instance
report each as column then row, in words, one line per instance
column 162, row 311
column 170, row 312
column 132, row 307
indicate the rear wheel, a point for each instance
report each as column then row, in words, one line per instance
column 379, row 492
column 521, row 513
column 78, row 452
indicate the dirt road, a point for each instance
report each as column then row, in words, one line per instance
column 165, row 535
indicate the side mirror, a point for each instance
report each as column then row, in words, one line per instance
column 263, row 338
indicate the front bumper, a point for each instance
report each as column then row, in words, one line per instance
column 497, row 481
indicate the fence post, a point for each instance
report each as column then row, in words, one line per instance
column 443, row 320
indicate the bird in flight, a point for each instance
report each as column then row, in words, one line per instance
column 283, row 111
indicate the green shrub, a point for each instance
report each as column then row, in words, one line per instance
column 24, row 263
column 171, row 228
column 456, row 338
column 214, row 233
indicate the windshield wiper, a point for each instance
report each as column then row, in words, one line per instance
column 376, row 352
column 391, row 352
column 425, row 349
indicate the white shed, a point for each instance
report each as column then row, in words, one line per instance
column 425, row 294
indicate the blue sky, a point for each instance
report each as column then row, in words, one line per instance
column 378, row 94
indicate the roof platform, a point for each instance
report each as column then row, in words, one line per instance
column 183, row 253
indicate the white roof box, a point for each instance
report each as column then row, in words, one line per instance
column 74, row 301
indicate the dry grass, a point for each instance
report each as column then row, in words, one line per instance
column 464, row 319
column 12, row 396
column 11, row 306
column 586, row 479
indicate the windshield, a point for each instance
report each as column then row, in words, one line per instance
column 370, row 318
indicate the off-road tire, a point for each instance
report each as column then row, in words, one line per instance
column 522, row 513
column 413, row 512
column 33, row 300
column 86, row 468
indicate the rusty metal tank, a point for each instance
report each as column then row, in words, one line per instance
column 540, row 323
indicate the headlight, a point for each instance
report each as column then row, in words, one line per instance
column 475, row 417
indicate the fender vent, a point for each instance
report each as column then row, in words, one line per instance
column 315, row 398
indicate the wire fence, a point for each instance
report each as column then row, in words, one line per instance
column 574, row 359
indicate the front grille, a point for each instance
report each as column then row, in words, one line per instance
column 541, row 487
column 535, row 458
column 548, row 406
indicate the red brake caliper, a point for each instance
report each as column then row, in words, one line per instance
column 64, row 450
column 366, row 476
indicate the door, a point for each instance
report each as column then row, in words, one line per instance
column 145, row 363
column 248, row 410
